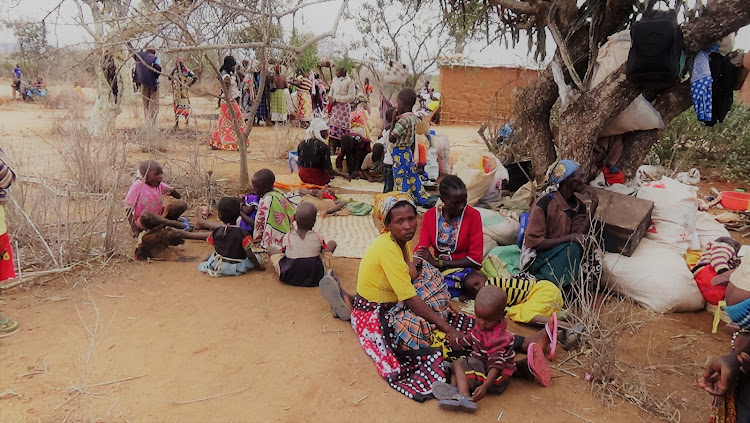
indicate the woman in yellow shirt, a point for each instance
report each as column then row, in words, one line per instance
column 401, row 307
column 400, row 301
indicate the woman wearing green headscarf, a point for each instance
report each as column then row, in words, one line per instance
column 556, row 238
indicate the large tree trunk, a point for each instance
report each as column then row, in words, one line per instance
column 586, row 115
column 107, row 103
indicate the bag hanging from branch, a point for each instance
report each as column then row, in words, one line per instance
column 395, row 73
column 656, row 53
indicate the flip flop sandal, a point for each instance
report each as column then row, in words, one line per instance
column 188, row 226
column 462, row 404
column 571, row 337
column 552, row 334
column 7, row 325
column 329, row 288
column 444, row 391
column 537, row 364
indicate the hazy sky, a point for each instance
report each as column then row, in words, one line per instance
column 317, row 18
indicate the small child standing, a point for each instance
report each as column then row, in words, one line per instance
column 144, row 199
column 372, row 166
column 405, row 178
column 300, row 260
column 233, row 245
column 387, row 155
column 492, row 360
column 718, row 258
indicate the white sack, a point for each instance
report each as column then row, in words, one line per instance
column 639, row 115
column 673, row 218
column 501, row 229
column 655, row 276
column 708, row 228
column 471, row 170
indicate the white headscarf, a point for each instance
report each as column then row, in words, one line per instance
column 317, row 126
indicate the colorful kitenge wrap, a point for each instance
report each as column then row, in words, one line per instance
column 360, row 118
column 398, row 341
column 339, row 120
column 273, row 219
column 304, row 105
column 405, row 178
column 385, row 202
column 225, row 137
column 279, row 110
column 180, row 94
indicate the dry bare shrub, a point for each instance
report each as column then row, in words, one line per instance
column 606, row 319
column 77, row 218
column 55, row 225
column 286, row 138
column 67, row 99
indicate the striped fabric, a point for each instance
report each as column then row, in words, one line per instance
column 517, row 289
column 718, row 255
column 305, row 84
column 6, row 175
column 740, row 314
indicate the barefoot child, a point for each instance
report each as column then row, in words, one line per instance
column 492, row 361
column 275, row 212
column 302, row 258
column 233, row 245
column 145, row 207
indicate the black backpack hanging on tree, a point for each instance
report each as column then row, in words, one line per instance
column 654, row 58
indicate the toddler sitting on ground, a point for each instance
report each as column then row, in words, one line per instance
column 145, row 207
column 719, row 257
column 233, row 245
column 300, row 259
column 492, row 360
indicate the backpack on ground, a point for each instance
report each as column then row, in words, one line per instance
column 654, row 58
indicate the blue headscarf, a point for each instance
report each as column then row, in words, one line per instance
column 560, row 171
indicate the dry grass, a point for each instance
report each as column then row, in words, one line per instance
column 606, row 319
column 286, row 138
column 71, row 221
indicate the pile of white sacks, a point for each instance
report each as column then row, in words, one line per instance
column 656, row 275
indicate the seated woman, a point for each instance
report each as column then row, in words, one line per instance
column 315, row 157
column 452, row 231
column 401, row 305
column 556, row 244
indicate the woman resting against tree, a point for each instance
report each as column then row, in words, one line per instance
column 556, row 244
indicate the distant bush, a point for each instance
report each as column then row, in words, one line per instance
column 723, row 149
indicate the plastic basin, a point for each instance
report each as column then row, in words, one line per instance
column 735, row 200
